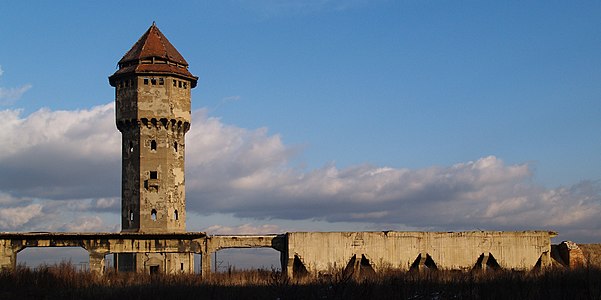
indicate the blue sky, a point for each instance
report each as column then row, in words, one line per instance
column 491, row 107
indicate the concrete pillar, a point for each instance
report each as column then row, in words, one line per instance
column 97, row 263
column 484, row 265
column 205, row 269
column 8, row 256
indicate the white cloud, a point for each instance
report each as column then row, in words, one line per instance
column 73, row 157
column 89, row 224
column 15, row 217
column 9, row 95
column 244, row 229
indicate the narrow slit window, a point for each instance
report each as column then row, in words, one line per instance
column 175, row 215
column 154, row 175
column 153, row 145
column 175, row 146
column 131, row 147
column 174, row 83
column 180, row 84
column 182, row 266
column 153, row 215
column 131, row 215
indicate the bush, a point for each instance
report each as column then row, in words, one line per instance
column 64, row 281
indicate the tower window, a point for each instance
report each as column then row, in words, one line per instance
column 161, row 81
column 174, row 83
column 154, row 175
column 131, row 215
column 175, row 146
column 175, row 215
column 146, row 81
column 153, row 81
column 153, row 215
column 131, row 147
column 153, row 145
column 185, row 85
column 180, row 84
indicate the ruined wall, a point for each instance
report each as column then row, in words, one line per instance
column 153, row 114
column 327, row 252
column 170, row 252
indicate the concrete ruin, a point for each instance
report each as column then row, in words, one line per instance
column 153, row 102
column 306, row 253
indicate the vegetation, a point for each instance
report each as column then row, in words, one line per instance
column 64, row 281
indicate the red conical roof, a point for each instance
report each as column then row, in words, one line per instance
column 153, row 53
column 153, row 44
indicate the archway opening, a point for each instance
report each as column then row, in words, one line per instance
column 35, row 257
column 245, row 259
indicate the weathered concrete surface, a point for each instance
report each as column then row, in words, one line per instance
column 312, row 252
column 568, row 254
column 330, row 252
column 100, row 244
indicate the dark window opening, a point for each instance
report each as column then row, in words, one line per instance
column 298, row 268
column 154, row 175
column 146, row 81
column 180, row 84
column 487, row 262
column 423, row 263
column 161, row 81
column 153, row 81
column 175, row 215
column 154, row 270
column 174, row 83
column 185, row 85
column 175, row 146
column 153, row 215
column 182, row 266
column 153, row 145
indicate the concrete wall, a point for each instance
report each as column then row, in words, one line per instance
column 314, row 252
column 330, row 252
column 172, row 249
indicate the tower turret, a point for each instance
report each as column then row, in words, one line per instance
column 153, row 115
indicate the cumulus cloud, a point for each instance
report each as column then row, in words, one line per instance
column 12, row 218
column 244, row 229
column 70, row 160
column 9, row 95
column 60, row 154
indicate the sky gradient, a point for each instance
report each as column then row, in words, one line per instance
column 317, row 115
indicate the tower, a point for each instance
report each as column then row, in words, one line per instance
column 153, row 115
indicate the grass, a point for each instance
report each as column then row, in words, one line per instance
column 64, row 281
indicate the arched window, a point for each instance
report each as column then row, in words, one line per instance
column 153, row 145
column 153, row 214
column 175, row 215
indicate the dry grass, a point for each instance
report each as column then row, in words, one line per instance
column 63, row 281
